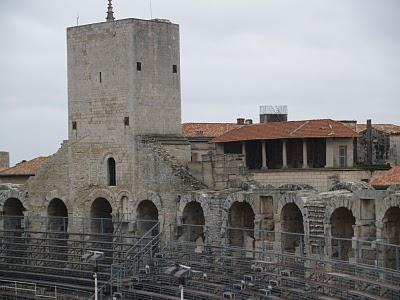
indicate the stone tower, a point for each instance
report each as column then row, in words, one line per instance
column 123, row 80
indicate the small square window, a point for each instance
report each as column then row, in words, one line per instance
column 139, row 66
column 126, row 121
column 174, row 69
column 74, row 125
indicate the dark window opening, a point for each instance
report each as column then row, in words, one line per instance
column 233, row 148
column 139, row 66
column 254, row 155
column 126, row 121
column 111, row 172
column 74, row 125
column 174, row 69
column 100, row 77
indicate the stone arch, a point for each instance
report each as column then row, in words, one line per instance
column 101, row 217
column 342, row 221
column 292, row 228
column 57, row 213
column 346, row 199
column 13, row 213
column 241, row 218
column 147, row 215
column 391, row 235
column 193, row 222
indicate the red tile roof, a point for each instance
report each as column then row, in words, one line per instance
column 283, row 130
column 25, row 168
column 387, row 128
column 207, row 129
column 387, row 178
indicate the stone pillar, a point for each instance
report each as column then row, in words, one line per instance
column 244, row 153
column 264, row 155
column 305, row 158
column 284, row 155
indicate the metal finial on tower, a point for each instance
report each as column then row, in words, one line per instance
column 110, row 13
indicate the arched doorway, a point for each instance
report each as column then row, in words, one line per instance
column 391, row 235
column 101, row 217
column 193, row 222
column 241, row 225
column 147, row 217
column 57, row 214
column 292, row 228
column 342, row 221
column 14, row 226
column 57, row 227
column 13, row 212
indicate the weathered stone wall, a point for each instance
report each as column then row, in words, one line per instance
column 322, row 180
column 105, row 85
column 381, row 143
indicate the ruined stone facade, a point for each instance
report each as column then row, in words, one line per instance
column 126, row 160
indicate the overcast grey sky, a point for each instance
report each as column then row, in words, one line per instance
column 325, row 59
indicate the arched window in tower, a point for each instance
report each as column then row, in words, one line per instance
column 112, row 181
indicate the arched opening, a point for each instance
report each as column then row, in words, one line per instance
column 111, row 168
column 241, row 223
column 147, row 217
column 57, row 227
column 57, row 214
column 193, row 222
column 391, row 235
column 342, row 221
column 101, row 217
column 13, row 212
column 292, row 228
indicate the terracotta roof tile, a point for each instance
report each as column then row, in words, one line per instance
column 25, row 168
column 387, row 128
column 387, row 178
column 283, row 130
column 210, row 130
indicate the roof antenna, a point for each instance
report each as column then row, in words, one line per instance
column 77, row 19
column 110, row 13
column 151, row 11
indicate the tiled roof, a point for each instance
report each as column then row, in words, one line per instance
column 25, row 168
column 387, row 128
column 387, row 178
column 283, row 130
column 207, row 129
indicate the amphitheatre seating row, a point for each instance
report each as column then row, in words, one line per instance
column 228, row 273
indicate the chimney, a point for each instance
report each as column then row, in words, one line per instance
column 369, row 143
column 249, row 121
column 240, row 121
column 273, row 113
column 4, row 160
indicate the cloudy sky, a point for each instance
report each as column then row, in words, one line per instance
column 324, row 59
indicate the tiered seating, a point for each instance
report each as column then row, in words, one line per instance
column 221, row 273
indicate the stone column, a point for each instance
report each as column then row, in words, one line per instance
column 264, row 155
column 284, row 155
column 244, row 153
column 305, row 158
